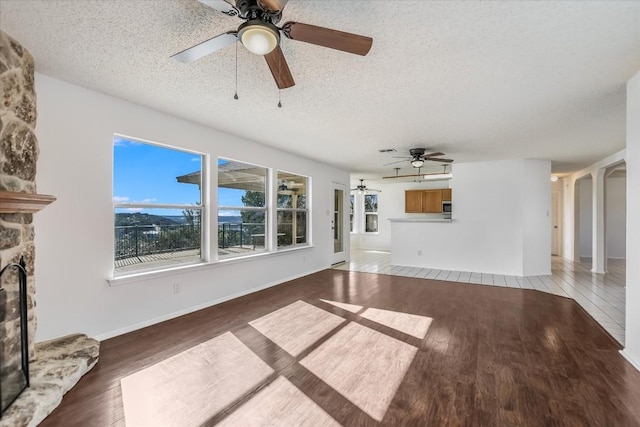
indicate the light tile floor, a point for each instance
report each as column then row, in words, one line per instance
column 601, row 295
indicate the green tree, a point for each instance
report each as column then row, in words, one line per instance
column 253, row 199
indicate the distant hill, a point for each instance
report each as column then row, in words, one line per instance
column 229, row 219
column 138, row 218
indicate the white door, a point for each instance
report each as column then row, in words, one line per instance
column 555, row 223
column 337, row 224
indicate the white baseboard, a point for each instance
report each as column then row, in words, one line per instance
column 194, row 308
column 630, row 360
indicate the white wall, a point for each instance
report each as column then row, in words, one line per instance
column 536, row 214
column 74, row 236
column 616, row 220
column 632, row 330
column 585, row 202
column 390, row 205
column 497, row 206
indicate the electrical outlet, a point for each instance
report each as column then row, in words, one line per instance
column 419, row 252
column 176, row 288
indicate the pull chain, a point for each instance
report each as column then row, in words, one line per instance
column 236, row 94
column 279, row 98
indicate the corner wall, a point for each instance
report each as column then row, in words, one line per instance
column 616, row 207
column 632, row 330
column 75, row 234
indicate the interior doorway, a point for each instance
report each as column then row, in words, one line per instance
column 337, row 224
column 556, row 221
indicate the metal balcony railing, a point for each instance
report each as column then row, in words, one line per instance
column 140, row 240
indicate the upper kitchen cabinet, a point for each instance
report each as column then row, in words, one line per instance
column 413, row 201
column 425, row 201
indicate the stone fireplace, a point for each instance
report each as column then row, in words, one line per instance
column 58, row 364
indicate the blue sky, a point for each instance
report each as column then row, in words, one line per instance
column 146, row 173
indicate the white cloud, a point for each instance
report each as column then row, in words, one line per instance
column 135, row 209
column 146, row 201
column 122, row 142
column 119, row 142
column 195, row 159
column 120, row 199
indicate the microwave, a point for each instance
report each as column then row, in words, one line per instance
column 446, row 209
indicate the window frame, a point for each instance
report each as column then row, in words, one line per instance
column 352, row 213
column 366, row 213
column 360, row 213
column 294, row 211
column 203, row 208
column 268, row 245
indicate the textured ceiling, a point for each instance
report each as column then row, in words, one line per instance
column 476, row 80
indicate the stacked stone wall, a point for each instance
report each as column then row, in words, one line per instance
column 18, row 156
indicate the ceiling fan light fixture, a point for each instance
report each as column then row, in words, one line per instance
column 438, row 176
column 417, row 163
column 258, row 37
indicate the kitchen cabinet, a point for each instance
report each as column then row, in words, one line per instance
column 425, row 201
column 446, row 195
column 413, row 201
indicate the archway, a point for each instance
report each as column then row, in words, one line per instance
column 616, row 217
column 584, row 219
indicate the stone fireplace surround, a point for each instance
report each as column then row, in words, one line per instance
column 55, row 365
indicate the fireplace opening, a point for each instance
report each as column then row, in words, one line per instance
column 14, row 343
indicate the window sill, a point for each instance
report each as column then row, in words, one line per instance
column 170, row 271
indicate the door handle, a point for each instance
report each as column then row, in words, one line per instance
column 555, row 226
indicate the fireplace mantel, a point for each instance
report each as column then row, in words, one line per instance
column 13, row 202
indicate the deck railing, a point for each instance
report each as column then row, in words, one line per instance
column 140, row 240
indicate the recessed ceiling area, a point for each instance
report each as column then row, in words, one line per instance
column 475, row 80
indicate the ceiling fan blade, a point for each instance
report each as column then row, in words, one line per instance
column 334, row 39
column 206, row 47
column 399, row 161
column 221, row 6
column 279, row 68
column 440, row 160
column 272, row 6
column 433, row 154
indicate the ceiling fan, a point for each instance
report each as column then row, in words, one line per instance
column 363, row 188
column 418, row 157
column 260, row 35
column 289, row 185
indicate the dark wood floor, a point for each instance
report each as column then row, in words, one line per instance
column 493, row 356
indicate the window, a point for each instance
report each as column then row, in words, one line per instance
column 157, row 205
column 292, row 211
column 242, row 209
column 363, row 212
column 351, row 201
column 371, row 213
